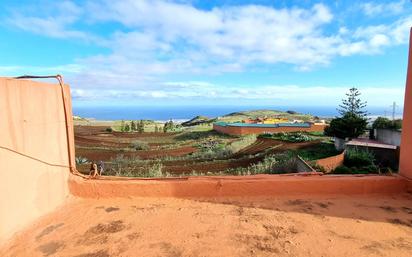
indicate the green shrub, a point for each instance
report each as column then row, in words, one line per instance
column 342, row 170
column 110, row 130
column 358, row 158
column 238, row 145
column 81, row 160
column 140, row 145
column 154, row 170
column 318, row 151
column 294, row 137
column 271, row 164
column 370, row 169
column 385, row 123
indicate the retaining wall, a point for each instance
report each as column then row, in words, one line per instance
column 34, row 151
column 331, row 163
column 240, row 130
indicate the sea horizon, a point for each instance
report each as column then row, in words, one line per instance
column 184, row 112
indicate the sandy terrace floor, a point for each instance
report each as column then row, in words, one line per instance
column 298, row 226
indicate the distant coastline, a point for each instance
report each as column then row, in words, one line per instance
column 184, row 113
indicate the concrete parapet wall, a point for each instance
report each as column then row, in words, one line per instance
column 34, row 151
column 258, row 185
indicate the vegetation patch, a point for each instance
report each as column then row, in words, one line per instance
column 357, row 161
column 140, row 145
column 293, row 137
column 318, row 151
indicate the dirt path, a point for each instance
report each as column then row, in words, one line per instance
column 271, row 226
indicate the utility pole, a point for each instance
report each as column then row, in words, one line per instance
column 393, row 110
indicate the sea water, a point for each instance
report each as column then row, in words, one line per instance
column 185, row 112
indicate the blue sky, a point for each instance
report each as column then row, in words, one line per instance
column 285, row 53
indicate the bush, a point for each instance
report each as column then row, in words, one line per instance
column 357, row 162
column 238, row 145
column 271, row 164
column 358, row 158
column 140, row 145
column 81, row 160
column 385, row 123
column 212, row 150
column 342, row 170
column 370, row 169
column 110, row 130
column 154, row 170
column 294, row 137
column 318, row 151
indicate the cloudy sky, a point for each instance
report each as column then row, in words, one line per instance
column 262, row 52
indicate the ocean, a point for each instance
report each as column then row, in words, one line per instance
column 181, row 113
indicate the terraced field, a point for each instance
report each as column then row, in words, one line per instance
column 177, row 153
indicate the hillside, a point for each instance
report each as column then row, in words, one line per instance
column 239, row 116
column 197, row 121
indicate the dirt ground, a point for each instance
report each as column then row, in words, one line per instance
column 264, row 226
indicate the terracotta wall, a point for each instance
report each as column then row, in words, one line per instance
column 238, row 130
column 34, row 159
column 405, row 162
column 330, row 163
column 257, row 185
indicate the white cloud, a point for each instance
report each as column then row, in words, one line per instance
column 275, row 94
column 156, row 38
column 374, row 9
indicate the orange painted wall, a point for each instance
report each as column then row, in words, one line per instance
column 34, row 159
column 330, row 163
column 257, row 185
column 405, row 161
column 238, row 130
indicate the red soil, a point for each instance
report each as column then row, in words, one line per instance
column 299, row 226
column 101, row 141
column 243, row 158
column 106, row 155
column 89, row 130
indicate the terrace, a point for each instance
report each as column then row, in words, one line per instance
column 49, row 209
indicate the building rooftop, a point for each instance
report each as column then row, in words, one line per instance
column 369, row 143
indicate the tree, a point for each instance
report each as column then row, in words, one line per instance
column 122, row 126
column 169, row 126
column 353, row 121
column 140, row 126
column 385, row 123
column 127, row 127
column 156, row 128
column 133, row 126
column 348, row 126
column 353, row 104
